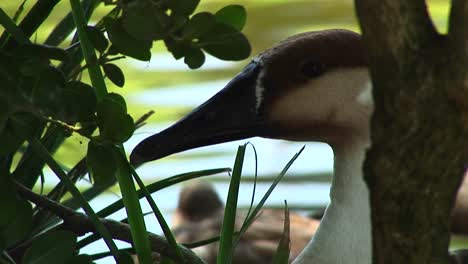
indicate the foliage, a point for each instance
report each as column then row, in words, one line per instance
column 43, row 101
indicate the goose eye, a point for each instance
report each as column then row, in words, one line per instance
column 312, row 69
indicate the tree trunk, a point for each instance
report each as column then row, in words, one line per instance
column 419, row 129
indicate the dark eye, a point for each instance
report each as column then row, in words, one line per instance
column 312, row 69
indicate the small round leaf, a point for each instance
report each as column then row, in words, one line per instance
column 113, row 121
column 232, row 15
column 199, row 25
column 226, row 43
column 125, row 43
column 97, row 38
column 80, row 101
column 144, row 21
column 183, row 7
column 114, row 73
column 177, row 48
column 194, row 59
column 101, row 163
column 117, row 98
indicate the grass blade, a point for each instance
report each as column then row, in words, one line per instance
column 66, row 26
column 159, row 185
column 133, row 209
column 31, row 22
column 284, row 245
column 159, row 216
column 227, row 230
column 251, row 218
column 11, row 28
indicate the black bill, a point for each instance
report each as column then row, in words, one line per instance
column 229, row 115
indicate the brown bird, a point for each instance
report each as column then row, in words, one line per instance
column 460, row 211
column 313, row 86
column 199, row 216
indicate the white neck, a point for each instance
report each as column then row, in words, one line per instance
column 344, row 234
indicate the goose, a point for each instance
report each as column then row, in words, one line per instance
column 199, row 216
column 313, row 86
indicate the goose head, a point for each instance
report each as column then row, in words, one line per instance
column 310, row 87
column 197, row 202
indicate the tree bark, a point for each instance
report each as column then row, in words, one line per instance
column 419, row 129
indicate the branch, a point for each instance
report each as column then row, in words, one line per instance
column 458, row 47
column 418, row 153
column 457, row 25
column 80, row 224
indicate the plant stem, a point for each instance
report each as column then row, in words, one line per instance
column 95, row 73
column 133, row 209
column 124, row 176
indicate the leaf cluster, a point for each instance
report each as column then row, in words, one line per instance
column 186, row 35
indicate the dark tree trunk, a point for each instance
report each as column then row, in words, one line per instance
column 419, row 128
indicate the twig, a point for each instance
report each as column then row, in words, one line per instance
column 80, row 224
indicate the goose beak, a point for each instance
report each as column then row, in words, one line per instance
column 229, row 115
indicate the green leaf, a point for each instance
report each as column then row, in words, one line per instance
column 41, row 51
column 126, row 129
column 177, row 48
column 166, row 260
column 80, row 259
column 80, row 101
column 48, row 93
column 4, row 112
column 144, row 21
column 8, row 204
column 113, row 121
column 178, row 23
column 199, row 25
column 125, row 43
column 183, row 7
column 117, row 98
column 52, row 248
column 114, row 73
column 232, row 15
column 194, row 58
column 226, row 43
column 20, row 224
column 24, row 124
column 98, row 39
column 101, row 163
column 9, row 140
